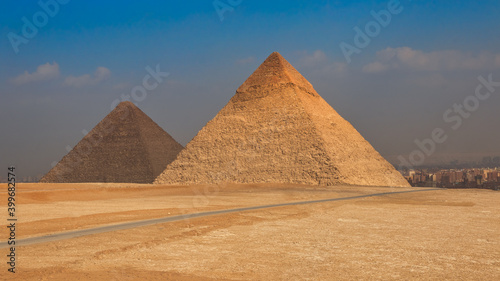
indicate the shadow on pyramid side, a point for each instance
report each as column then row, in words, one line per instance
column 125, row 147
column 278, row 129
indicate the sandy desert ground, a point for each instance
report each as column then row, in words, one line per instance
column 430, row 235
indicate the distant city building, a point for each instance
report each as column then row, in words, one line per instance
column 453, row 178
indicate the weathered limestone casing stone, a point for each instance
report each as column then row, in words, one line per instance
column 277, row 129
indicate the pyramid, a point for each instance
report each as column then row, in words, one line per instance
column 126, row 146
column 277, row 129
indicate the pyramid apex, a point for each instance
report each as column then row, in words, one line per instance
column 275, row 54
column 126, row 104
column 276, row 58
column 273, row 71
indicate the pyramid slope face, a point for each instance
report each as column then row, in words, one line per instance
column 126, row 146
column 277, row 129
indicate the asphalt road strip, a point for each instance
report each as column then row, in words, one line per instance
column 129, row 225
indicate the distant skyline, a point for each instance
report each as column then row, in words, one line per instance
column 413, row 71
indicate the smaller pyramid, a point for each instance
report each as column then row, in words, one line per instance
column 126, row 146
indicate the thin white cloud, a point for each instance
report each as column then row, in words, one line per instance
column 246, row 60
column 78, row 81
column 375, row 67
column 448, row 60
column 319, row 62
column 336, row 68
column 101, row 73
column 43, row 72
column 314, row 59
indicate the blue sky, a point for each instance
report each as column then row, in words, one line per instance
column 64, row 79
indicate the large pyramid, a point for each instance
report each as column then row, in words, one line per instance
column 277, row 129
column 126, row 146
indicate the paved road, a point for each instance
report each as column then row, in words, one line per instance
column 129, row 225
